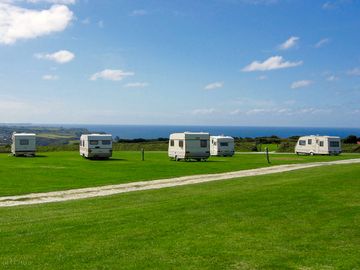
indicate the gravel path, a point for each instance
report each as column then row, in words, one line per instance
column 83, row 193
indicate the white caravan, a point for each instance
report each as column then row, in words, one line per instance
column 96, row 145
column 222, row 146
column 23, row 144
column 318, row 145
column 189, row 145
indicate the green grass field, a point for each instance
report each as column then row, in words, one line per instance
column 306, row 219
column 65, row 170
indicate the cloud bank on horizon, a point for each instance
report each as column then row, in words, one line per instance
column 149, row 63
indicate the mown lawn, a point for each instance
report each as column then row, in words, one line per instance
column 65, row 170
column 307, row 219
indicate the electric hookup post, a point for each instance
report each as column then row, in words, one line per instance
column 267, row 154
column 142, row 154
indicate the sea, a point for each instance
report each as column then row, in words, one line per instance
column 163, row 131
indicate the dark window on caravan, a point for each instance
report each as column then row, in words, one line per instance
column 181, row 143
column 94, row 142
column 171, row 142
column 309, row 141
column 224, row 144
column 302, row 142
column 106, row 142
column 24, row 142
column 334, row 144
column 321, row 143
column 203, row 143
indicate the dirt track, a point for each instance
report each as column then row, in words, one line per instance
column 83, row 193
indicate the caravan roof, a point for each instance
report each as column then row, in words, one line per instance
column 190, row 135
column 325, row 136
column 23, row 134
column 96, row 136
column 222, row 137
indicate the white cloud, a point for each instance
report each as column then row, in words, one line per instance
column 101, row 24
column 214, row 85
column 354, row 72
column 49, row 77
column 256, row 111
column 111, row 75
column 62, row 2
column 136, row 85
column 18, row 23
column 322, row 43
column 272, row 63
column 203, row 111
column 60, row 57
column 290, row 43
column 262, row 77
column 139, row 12
column 329, row 5
column 332, row 78
column 300, row 84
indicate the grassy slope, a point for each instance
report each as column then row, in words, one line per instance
column 305, row 219
column 65, row 170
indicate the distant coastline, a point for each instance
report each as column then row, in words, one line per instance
column 161, row 131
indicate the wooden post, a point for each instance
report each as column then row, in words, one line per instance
column 267, row 154
column 142, row 154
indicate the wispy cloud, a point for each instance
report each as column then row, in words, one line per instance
column 330, row 5
column 322, row 43
column 86, row 21
column 332, row 78
column 63, row 2
column 17, row 23
column 262, row 77
column 203, row 111
column 257, row 2
column 289, row 43
column 301, row 84
column 136, row 85
column 101, row 24
column 354, row 72
column 49, row 77
column 272, row 63
column 111, row 75
column 214, row 85
column 60, row 57
column 139, row 12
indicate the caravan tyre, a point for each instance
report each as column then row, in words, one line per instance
column 311, row 153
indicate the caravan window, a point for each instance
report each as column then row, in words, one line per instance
column 181, row 143
column 203, row 143
column 94, row 142
column 310, row 141
column 334, row 144
column 24, row 142
column 321, row 143
column 106, row 142
column 302, row 142
column 171, row 142
column 224, row 144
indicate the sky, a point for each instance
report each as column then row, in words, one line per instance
column 181, row 62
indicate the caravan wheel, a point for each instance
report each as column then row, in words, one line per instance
column 311, row 153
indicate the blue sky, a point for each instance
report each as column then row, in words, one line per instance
column 213, row 62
